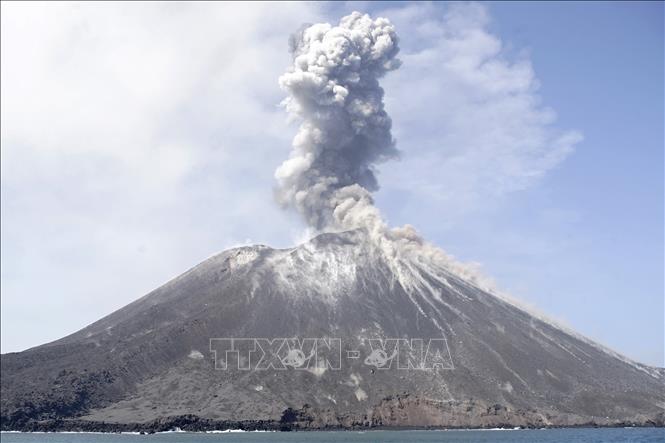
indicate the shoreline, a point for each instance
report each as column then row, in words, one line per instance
column 79, row 427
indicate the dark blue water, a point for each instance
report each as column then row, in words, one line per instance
column 499, row 436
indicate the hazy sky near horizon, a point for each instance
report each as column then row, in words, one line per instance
column 139, row 139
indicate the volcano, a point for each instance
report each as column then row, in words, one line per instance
column 155, row 364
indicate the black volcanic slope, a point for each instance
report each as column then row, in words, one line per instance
column 149, row 365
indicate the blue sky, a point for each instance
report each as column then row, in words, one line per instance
column 604, row 75
column 139, row 140
column 595, row 224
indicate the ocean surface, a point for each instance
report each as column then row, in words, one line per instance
column 632, row 435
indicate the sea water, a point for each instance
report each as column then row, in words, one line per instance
column 613, row 435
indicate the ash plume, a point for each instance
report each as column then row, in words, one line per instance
column 333, row 89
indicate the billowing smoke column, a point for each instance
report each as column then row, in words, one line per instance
column 334, row 90
column 333, row 87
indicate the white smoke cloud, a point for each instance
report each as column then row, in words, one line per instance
column 345, row 132
column 333, row 87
